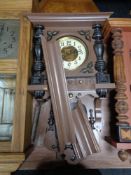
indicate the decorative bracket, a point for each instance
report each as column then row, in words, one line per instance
column 50, row 34
column 86, row 34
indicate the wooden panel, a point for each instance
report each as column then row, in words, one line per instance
column 37, row 87
column 5, row 146
column 68, row 20
column 116, row 22
column 9, row 167
column 10, row 162
column 9, row 14
column 121, row 29
column 41, row 158
column 59, row 96
column 12, row 9
column 8, row 66
column 23, row 5
column 5, row 173
column 18, row 140
column 72, row 6
column 11, row 157
column 127, row 66
column 120, row 22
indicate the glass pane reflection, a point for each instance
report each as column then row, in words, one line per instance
column 7, row 98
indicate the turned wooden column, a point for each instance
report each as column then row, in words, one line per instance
column 100, row 65
column 121, row 105
column 38, row 66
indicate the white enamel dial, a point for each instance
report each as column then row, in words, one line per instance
column 74, row 52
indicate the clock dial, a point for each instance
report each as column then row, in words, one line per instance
column 9, row 38
column 74, row 52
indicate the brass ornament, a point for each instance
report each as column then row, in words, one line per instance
column 123, row 155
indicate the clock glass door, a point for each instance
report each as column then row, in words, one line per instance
column 9, row 38
column 9, row 44
column 7, row 96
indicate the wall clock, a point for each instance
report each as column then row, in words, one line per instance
column 70, row 58
column 14, row 53
column 9, row 47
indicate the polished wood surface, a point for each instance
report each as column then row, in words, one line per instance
column 8, row 66
column 121, row 105
column 75, row 125
column 15, row 5
column 19, row 137
column 107, row 158
column 67, row 6
column 9, row 162
column 125, row 26
column 121, row 29
column 127, row 64
column 42, row 158
column 11, row 153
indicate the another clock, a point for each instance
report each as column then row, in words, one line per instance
column 14, row 57
column 9, row 38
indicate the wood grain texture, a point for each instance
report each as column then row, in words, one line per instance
column 5, row 146
column 9, row 167
column 22, row 108
column 127, row 63
column 15, row 5
column 41, row 158
column 125, row 26
column 124, row 23
column 121, row 46
column 8, row 66
column 58, row 6
column 121, row 105
column 37, row 87
column 9, row 162
column 68, row 19
column 11, row 157
column 59, row 96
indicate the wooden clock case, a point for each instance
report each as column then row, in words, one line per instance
column 120, row 33
column 12, row 153
column 108, row 157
